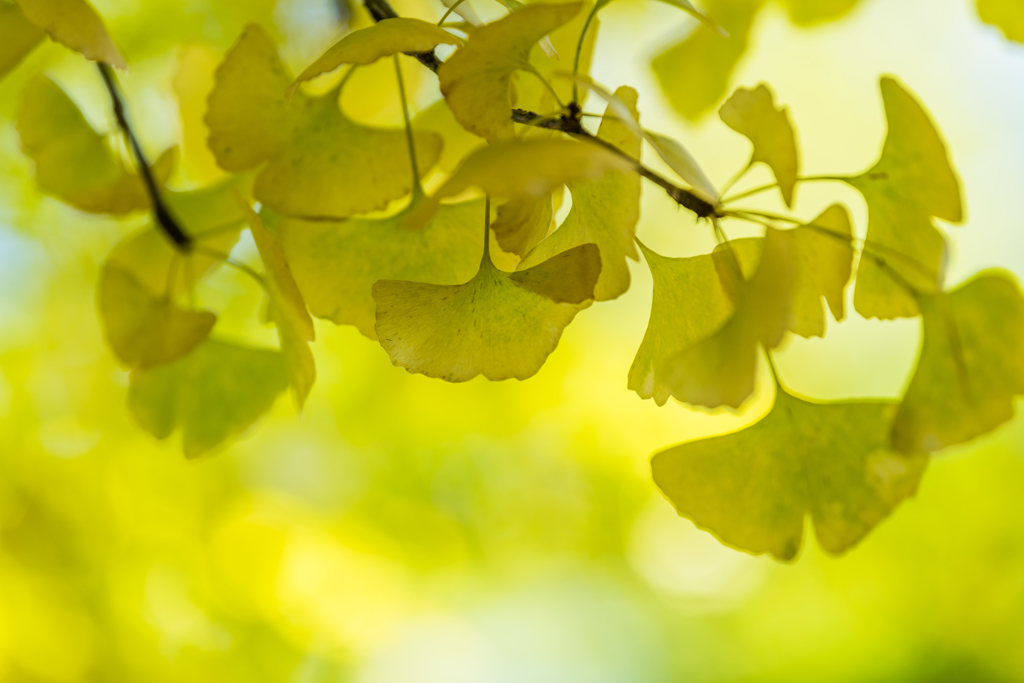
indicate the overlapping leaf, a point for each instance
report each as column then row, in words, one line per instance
column 806, row 12
column 1007, row 15
column 522, row 223
column 556, row 54
column 912, row 182
column 830, row 462
column 18, row 36
column 74, row 24
column 319, row 162
column 971, row 366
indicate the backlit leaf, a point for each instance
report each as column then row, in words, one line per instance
column 684, row 5
column 557, row 54
column 465, row 10
column 522, row 223
column 752, row 113
column 476, row 79
column 18, row 36
column 321, row 163
column 1008, row 15
column 912, row 182
column 75, row 24
column 215, row 393
column 458, row 142
column 829, row 461
column 807, row 12
column 971, row 367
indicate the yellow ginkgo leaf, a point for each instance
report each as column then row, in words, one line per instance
column 1008, row 15
column 320, row 162
column 522, row 223
column 971, row 366
column 556, row 54
column 458, row 142
column 216, row 392
column 336, row 262
column 144, row 330
column 193, row 80
column 476, row 79
column 604, row 212
column 523, row 169
column 73, row 161
column 912, row 182
column 808, row 12
column 18, row 36
column 383, row 39
column 752, row 113
column 287, row 308
column 719, row 370
column 75, row 24
column 829, row 461
column 499, row 325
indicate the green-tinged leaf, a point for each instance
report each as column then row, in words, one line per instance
column 320, row 162
column 720, row 369
column 336, row 263
column 18, row 36
column 499, row 325
column 522, row 223
column 807, row 12
column 144, row 330
column 287, row 308
column 829, row 461
column 458, row 142
column 604, row 212
column 215, row 393
column 383, row 39
column 971, row 366
column 912, row 182
column 1007, row 15
column 74, row 162
column 523, row 169
column 74, row 24
column 694, row 73
column 752, row 113
column 476, row 79
column 557, row 53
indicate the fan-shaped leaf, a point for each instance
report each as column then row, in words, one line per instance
column 1008, row 15
column 74, row 24
column 18, row 36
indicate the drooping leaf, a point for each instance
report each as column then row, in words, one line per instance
column 142, row 329
column 320, row 162
column 74, row 162
column 1007, row 15
column 499, row 325
column 476, row 79
column 74, row 24
column 215, row 393
column 604, row 212
column 383, row 39
column 828, row 461
column 752, row 113
column 523, row 169
column 287, row 308
column 912, row 182
column 18, row 36
column 971, row 366
column 808, row 12
column 557, row 54
column 544, row 43
column 336, row 263
column 522, row 223
column 458, row 142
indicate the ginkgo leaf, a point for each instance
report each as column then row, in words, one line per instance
column 752, row 113
column 336, row 262
column 604, row 212
column 74, row 24
column 144, row 330
column 719, row 370
column 499, row 325
column 971, row 366
column 287, row 308
column 828, row 461
column 458, row 142
column 522, row 169
column 18, row 36
column 476, row 79
column 383, row 39
column 215, row 393
column 807, row 12
column 694, row 73
column 73, row 161
column 1007, row 15
column 320, row 162
column 912, row 182
column 557, row 54
column 522, row 223
column 465, row 10
column 684, row 5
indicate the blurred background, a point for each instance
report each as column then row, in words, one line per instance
column 404, row 530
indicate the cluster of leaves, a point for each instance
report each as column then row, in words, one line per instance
column 338, row 212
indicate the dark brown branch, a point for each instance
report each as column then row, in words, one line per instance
column 160, row 211
column 381, row 10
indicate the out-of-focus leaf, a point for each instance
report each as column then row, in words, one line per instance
column 74, row 24
column 383, row 39
column 476, row 79
column 499, row 325
column 73, row 161
column 192, row 83
column 18, row 36
column 912, row 182
column 215, row 393
column 684, row 5
column 321, row 163
column 807, row 12
column 752, row 113
column 604, row 212
column 458, row 141
column 464, row 10
column 829, row 461
column 1007, row 15
column 971, row 366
